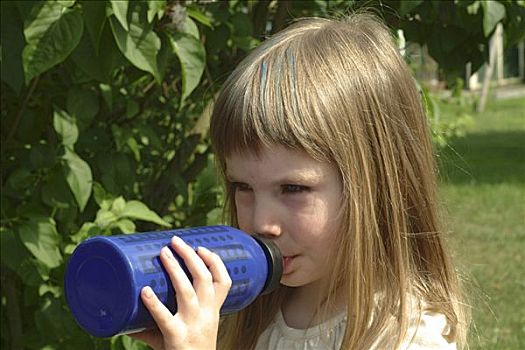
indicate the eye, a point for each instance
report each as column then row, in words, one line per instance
column 290, row 188
column 239, row 187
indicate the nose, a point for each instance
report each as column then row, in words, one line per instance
column 266, row 218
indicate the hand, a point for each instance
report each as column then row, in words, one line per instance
column 196, row 322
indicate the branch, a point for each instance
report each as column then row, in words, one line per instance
column 489, row 69
column 260, row 17
column 163, row 191
column 283, row 13
column 200, row 162
column 22, row 109
column 14, row 321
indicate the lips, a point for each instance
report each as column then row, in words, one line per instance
column 287, row 261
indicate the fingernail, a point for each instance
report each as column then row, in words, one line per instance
column 176, row 240
column 167, row 253
column 148, row 292
column 206, row 250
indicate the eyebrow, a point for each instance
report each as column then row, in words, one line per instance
column 292, row 177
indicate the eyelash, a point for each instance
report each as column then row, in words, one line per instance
column 239, row 186
column 292, row 188
column 285, row 189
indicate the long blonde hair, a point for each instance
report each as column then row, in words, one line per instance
column 339, row 90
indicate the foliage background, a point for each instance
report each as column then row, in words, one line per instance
column 105, row 106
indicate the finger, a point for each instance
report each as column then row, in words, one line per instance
column 221, row 279
column 160, row 313
column 184, row 291
column 202, row 278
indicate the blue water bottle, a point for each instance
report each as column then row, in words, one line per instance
column 105, row 275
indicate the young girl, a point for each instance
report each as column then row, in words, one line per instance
column 324, row 145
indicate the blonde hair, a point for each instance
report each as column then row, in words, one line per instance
column 339, row 91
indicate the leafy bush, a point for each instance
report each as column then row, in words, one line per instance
column 105, row 107
column 105, row 117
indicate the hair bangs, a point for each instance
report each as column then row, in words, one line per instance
column 268, row 102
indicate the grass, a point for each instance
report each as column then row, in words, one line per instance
column 483, row 191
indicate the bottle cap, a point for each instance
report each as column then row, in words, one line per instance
column 99, row 287
column 275, row 263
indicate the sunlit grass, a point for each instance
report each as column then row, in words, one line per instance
column 483, row 191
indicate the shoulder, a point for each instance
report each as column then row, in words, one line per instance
column 428, row 330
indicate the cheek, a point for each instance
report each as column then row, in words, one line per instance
column 243, row 207
column 305, row 205
column 243, row 198
column 320, row 221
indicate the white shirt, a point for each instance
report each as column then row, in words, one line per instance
column 425, row 333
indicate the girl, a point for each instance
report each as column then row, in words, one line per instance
column 324, row 145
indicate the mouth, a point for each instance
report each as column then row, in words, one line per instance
column 287, row 264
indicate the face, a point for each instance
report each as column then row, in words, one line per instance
column 293, row 199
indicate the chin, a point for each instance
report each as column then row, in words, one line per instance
column 289, row 281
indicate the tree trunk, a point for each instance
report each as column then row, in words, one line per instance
column 489, row 69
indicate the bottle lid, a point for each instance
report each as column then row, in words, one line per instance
column 275, row 263
column 99, row 287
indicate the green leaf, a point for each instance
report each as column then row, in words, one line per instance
column 473, row 8
column 50, row 319
column 406, row 6
column 13, row 251
column 134, row 147
column 191, row 28
column 55, row 192
column 140, row 45
column 120, row 135
column 41, row 238
column 82, row 105
column 127, row 343
column 107, row 95
column 139, row 211
column 66, row 3
column 198, row 16
column 493, row 13
column 105, row 218
column 51, row 35
column 165, row 55
column 79, row 177
column 132, row 108
column 30, row 274
column 124, row 137
column 155, row 8
column 215, row 38
column 132, row 344
column 85, row 232
column 98, row 63
column 431, row 106
column 242, row 25
column 65, row 126
column 192, row 57
column 120, row 10
column 215, row 217
column 246, row 43
column 20, row 179
column 102, row 198
column 12, row 38
column 94, row 18
column 118, row 205
column 125, row 226
column 42, row 156
column 45, row 288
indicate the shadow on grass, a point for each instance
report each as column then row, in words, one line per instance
column 484, row 158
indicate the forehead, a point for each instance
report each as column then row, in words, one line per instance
column 275, row 163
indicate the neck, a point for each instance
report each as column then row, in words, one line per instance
column 305, row 306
